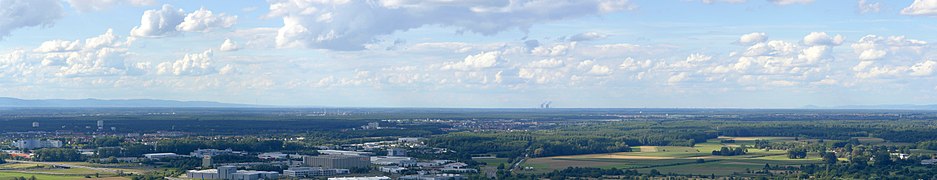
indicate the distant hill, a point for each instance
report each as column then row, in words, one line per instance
column 883, row 106
column 15, row 102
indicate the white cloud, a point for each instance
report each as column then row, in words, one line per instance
column 15, row 14
column 478, row 61
column 788, row 2
column 158, row 23
column 698, row 58
column 97, row 5
column 190, row 65
column 599, row 70
column 866, row 7
column 925, row 68
column 588, row 36
column 102, row 55
column 546, row 63
column 341, row 25
column 921, row 7
column 821, row 38
column 677, row 78
column 752, row 38
column 229, row 45
column 58, row 46
column 203, row 20
column 167, row 21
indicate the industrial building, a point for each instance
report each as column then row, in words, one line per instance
column 231, row 173
column 160, row 155
column 36, row 144
column 433, row 177
column 361, row 178
column 396, row 152
column 393, row 160
column 337, row 161
column 340, row 152
column 304, row 172
column 215, row 152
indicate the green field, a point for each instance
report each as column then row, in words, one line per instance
column 678, row 159
column 9, row 175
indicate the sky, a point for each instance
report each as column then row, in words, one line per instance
column 474, row 53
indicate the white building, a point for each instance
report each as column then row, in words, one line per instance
column 272, row 155
column 349, row 153
column 303, row 172
column 392, row 169
column 393, row 160
column 432, row 177
column 361, row 178
column 160, row 155
column 36, row 144
column 231, row 173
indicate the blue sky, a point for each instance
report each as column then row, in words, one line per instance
column 437, row 53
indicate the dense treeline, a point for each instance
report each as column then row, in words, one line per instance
column 187, row 145
column 730, row 151
column 57, row 154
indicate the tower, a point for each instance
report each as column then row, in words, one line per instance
column 206, row 162
column 100, row 124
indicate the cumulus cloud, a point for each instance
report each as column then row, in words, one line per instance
column 921, row 7
column 588, row 36
column 15, row 14
column 167, row 21
column 102, row 55
column 229, row 45
column 789, row 2
column 203, row 20
column 752, row 38
column 97, row 5
column 195, row 64
column 478, row 61
column 821, row 38
column 58, row 46
column 349, row 25
column 866, row 7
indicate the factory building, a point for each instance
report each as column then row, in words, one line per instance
column 231, row 173
column 214, row 152
column 393, row 160
column 337, row 161
column 304, row 172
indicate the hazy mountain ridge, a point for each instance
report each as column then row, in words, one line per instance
column 16, row 102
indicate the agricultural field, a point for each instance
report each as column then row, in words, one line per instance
column 678, row 159
column 50, row 172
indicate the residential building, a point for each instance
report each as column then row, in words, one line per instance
column 36, row 144
column 929, row 162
